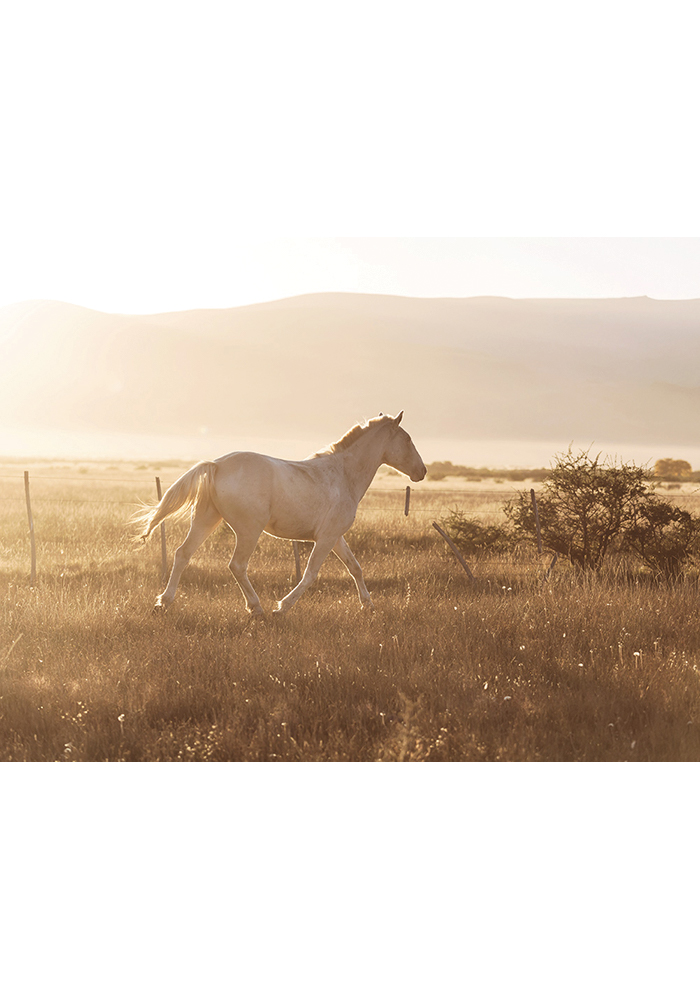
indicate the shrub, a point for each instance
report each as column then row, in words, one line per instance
column 584, row 507
column 589, row 508
column 670, row 469
column 664, row 536
column 473, row 537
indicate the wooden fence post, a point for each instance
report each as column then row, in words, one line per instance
column 32, row 578
column 537, row 521
column 551, row 566
column 455, row 550
column 408, row 500
column 539, row 536
column 163, row 547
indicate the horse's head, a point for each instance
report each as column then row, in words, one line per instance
column 400, row 452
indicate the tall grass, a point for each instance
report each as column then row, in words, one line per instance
column 587, row 668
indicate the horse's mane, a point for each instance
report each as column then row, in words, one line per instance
column 358, row 431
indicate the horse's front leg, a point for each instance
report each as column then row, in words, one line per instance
column 318, row 554
column 346, row 556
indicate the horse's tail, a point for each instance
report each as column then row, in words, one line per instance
column 184, row 494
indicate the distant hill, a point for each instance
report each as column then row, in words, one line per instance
column 481, row 368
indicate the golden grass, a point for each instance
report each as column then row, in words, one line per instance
column 508, row 668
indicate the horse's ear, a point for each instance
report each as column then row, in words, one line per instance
column 397, row 420
column 381, row 414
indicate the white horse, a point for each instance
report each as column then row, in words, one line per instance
column 313, row 500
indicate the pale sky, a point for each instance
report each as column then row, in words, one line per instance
column 162, row 156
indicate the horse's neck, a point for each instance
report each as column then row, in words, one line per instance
column 361, row 462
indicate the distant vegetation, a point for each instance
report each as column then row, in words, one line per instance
column 673, row 470
column 667, row 470
column 441, row 470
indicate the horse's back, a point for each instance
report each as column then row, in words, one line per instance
column 252, row 468
column 245, row 474
column 253, row 471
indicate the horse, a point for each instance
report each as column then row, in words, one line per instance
column 312, row 500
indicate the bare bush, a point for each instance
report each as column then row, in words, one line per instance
column 590, row 508
column 473, row 537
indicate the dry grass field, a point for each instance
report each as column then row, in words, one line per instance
column 507, row 668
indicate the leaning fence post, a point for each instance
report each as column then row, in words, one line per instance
column 32, row 578
column 537, row 521
column 551, row 566
column 408, row 500
column 455, row 550
column 163, row 547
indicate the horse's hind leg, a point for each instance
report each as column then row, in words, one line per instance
column 246, row 540
column 204, row 519
column 344, row 553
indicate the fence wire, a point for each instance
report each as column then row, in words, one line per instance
column 451, row 496
column 396, row 500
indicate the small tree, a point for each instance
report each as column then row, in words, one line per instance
column 584, row 507
column 473, row 537
column 664, row 536
column 589, row 507
column 672, row 469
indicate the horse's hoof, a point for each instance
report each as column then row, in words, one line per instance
column 158, row 609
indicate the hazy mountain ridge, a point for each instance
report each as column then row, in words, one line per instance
column 481, row 368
